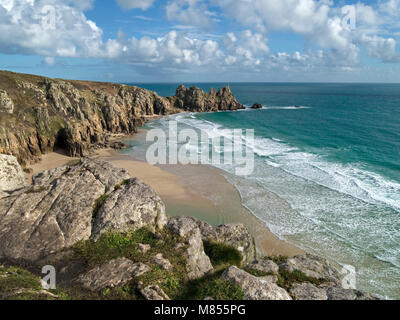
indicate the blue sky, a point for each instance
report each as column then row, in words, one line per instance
column 201, row 40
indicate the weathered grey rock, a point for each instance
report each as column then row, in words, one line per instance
column 255, row 288
column 162, row 262
column 307, row 291
column 237, row 236
column 264, row 265
column 112, row 274
column 208, row 232
column 154, row 293
column 56, row 211
column 270, row 278
column 6, row 104
column 197, row 262
column 144, row 248
column 11, row 174
column 313, row 266
column 132, row 206
column 338, row 293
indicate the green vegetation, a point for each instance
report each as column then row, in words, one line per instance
column 222, row 255
column 257, row 273
column 20, row 284
column 35, row 190
column 98, row 204
column 118, row 186
column 211, row 286
column 112, row 245
column 287, row 279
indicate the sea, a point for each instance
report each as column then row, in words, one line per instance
column 332, row 153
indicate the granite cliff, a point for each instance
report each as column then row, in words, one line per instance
column 39, row 114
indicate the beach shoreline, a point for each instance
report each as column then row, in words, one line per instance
column 185, row 191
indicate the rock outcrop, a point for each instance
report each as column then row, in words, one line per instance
column 114, row 273
column 307, row 291
column 132, row 206
column 196, row 100
column 6, row 104
column 255, row 288
column 264, row 265
column 235, row 235
column 59, row 209
column 11, row 174
column 39, row 114
column 313, row 266
column 197, row 262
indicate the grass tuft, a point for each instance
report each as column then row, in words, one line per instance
column 211, row 286
column 222, row 255
column 98, row 204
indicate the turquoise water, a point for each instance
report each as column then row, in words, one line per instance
column 335, row 160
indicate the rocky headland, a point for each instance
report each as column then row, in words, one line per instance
column 39, row 114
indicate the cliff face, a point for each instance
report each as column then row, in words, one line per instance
column 39, row 114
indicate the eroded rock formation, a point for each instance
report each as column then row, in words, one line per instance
column 39, row 114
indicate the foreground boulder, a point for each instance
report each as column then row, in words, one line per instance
column 11, row 174
column 197, row 262
column 57, row 211
column 307, row 291
column 235, row 235
column 255, row 288
column 112, row 274
column 313, row 266
column 132, row 206
column 264, row 265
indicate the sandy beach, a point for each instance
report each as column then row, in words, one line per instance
column 199, row 191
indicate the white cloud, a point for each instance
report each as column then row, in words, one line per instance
column 135, row 4
column 26, row 28
column 49, row 61
column 190, row 12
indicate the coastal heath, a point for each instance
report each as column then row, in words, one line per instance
column 187, row 146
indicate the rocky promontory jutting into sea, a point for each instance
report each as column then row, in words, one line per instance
column 39, row 114
column 106, row 233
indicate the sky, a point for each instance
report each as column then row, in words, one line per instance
column 203, row 41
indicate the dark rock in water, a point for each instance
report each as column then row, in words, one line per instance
column 257, row 106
